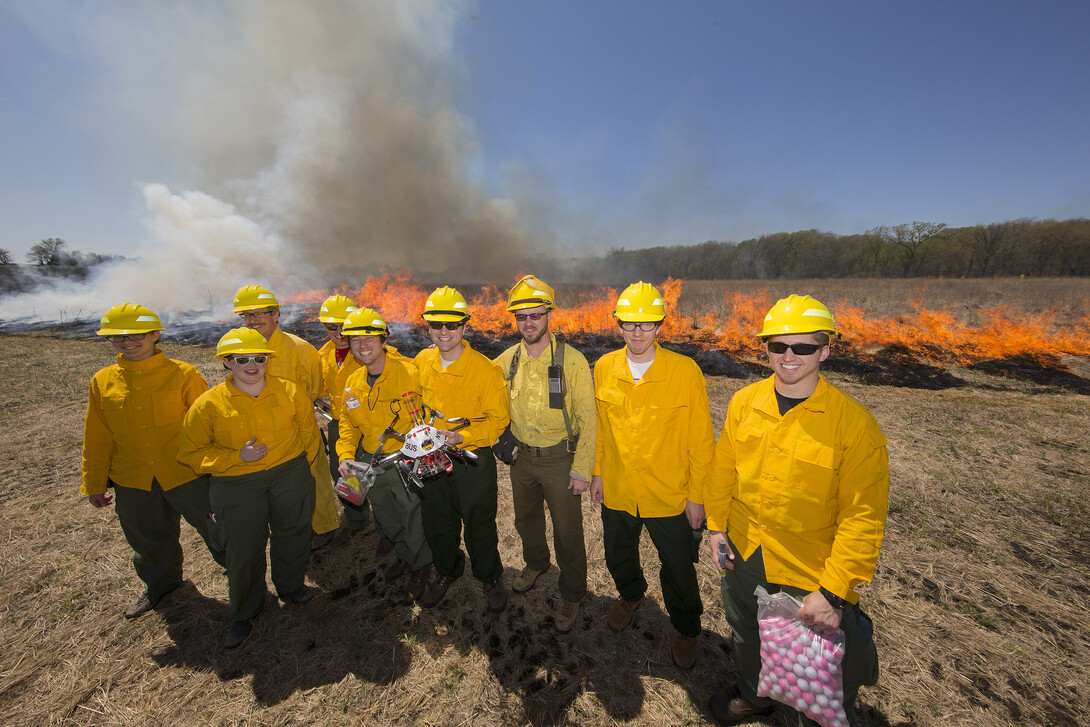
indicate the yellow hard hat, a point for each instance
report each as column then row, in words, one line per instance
column 531, row 293
column 446, row 304
column 252, row 297
column 335, row 309
column 242, row 341
column 129, row 318
column 364, row 322
column 640, row 303
column 797, row 314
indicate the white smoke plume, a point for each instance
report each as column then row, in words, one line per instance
column 323, row 137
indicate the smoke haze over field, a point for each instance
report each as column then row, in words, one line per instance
column 293, row 137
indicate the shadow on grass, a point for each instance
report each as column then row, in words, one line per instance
column 295, row 647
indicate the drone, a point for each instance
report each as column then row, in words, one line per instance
column 424, row 452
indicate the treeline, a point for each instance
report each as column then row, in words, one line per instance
column 920, row 249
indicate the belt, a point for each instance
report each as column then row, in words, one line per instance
column 560, row 447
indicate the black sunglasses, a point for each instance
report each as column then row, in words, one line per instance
column 799, row 349
column 449, row 325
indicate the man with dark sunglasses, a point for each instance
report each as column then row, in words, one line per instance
column 462, row 383
column 554, row 424
column 796, row 503
column 298, row 361
column 654, row 452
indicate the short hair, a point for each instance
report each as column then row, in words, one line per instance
column 822, row 337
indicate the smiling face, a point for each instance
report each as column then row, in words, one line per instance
column 136, row 350
column 448, row 342
column 339, row 341
column 247, row 374
column 369, row 352
column 263, row 321
column 797, row 376
column 532, row 331
column 640, row 343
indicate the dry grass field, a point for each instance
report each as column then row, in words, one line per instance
column 980, row 601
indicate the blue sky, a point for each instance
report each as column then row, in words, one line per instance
column 640, row 123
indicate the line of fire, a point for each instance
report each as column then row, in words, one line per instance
column 924, row 348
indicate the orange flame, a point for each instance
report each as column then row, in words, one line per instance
column 935, row 335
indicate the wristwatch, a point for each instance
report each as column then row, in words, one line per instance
column 834, row 600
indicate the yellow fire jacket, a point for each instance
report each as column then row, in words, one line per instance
column 809, row 488
column 655, row 440
column 225, row 418
column 471, row 387
column 331, row 374
column 350, row 366
column 134, row 413
column 533, row 422
column 296, row 360
column 367, row 421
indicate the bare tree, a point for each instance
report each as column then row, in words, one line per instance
column 5, row 257
column 912, row 239
column 46, row 252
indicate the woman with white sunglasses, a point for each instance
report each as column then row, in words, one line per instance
column 256, row 435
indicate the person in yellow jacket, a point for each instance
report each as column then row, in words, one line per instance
column 130, row 442
column 256, row 436
column 336, row 357
column 461, row 383
column 654, row 451
column 796, row 503
column 555, row 429
column 373, row 402
column 298, row 361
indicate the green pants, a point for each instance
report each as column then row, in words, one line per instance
column 860, row 664
column 678, row 550
column 537, row 480
column 250, row 510
column 397, row 516
column 151, row 522
column 466, row 495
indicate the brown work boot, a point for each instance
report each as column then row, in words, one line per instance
column 729, row 707
column 496, row 595
column 418, row 581
column 436, row 591
column 566, row 611
column 384, row 548
column 683, row 651
column 396, row 569
column 527, row 578
column 621, row 612
column 145, row 603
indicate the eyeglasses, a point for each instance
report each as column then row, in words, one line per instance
column 535, row 317
column 333, row 326
column 646, row 326
column 243, row 360
column 257, row 313
column 449, row 325
column 799, row 349
column 129, row 337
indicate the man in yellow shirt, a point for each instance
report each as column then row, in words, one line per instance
column 797, row 503
column 130, row 440
column 654, row 450
column 554, row 424
column 372, row 402
column 461, row 383
column 299, row 362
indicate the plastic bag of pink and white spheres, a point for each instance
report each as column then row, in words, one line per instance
column 799, row 666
